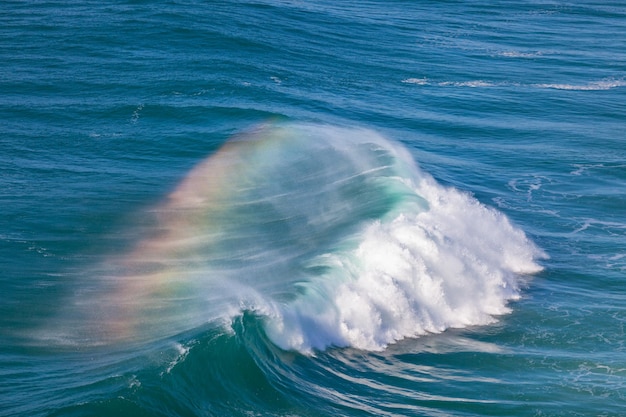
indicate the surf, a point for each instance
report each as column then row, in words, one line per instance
column 332, row 235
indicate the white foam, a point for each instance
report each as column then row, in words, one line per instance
column 418, row 81
column 471, row 84
column 181, row 353
column 606, row 84
column 135, row 117
column 592, row 86
column 454, row 265
column 520, row 54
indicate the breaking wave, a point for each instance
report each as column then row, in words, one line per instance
column 332, row 235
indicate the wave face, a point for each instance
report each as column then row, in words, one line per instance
column 333, row 235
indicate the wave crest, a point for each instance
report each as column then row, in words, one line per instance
column 334, row 235
column 455, row 264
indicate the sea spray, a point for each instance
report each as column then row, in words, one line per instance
column 333, row 234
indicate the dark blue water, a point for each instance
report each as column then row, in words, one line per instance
column 312, row 208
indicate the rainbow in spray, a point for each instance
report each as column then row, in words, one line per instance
column 332, row 234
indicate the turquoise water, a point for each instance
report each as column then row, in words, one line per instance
column 283, row 208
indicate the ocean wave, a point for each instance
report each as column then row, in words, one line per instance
column 453, row 265
column 332, row 234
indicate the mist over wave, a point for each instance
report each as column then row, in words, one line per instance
column 332, row 234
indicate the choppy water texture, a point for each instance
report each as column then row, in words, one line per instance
column 312, row 209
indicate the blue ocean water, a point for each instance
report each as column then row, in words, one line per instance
column 284, row 208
